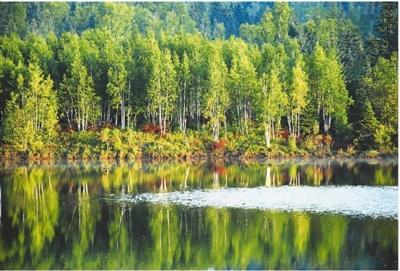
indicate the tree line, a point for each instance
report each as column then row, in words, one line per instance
column 320, row 76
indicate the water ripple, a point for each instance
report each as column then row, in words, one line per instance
column 347, row 200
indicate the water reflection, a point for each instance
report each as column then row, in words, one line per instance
column 60, row 218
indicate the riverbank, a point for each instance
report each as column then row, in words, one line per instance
column 115, row 144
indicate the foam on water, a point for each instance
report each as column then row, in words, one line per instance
column 347, row 200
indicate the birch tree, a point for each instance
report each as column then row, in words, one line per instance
column 163, row 88
column 298, row 96
column 216, row 98
column 272, row 103
column 328, row 87
column 31, row 113
column 78, row 101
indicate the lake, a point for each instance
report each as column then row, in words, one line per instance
column 315, row 214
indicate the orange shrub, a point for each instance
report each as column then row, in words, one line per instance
column 218, row 147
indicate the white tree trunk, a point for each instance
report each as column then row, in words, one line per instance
column 268, row 134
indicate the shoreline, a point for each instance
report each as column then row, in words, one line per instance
column 193, row 147
column 210, row 159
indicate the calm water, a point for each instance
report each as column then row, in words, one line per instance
column 281, row 215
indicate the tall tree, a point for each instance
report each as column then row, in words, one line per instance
column 281, row 18
column 272, row 103
column 163, row 88
column 184, row 77
column 117, row 89
column 141, row 68
column 367, row 124
column 382, row 86
column 242, row 83
column 47, row 17
column 298, row 95
column 31, row 113
column 79, row 104
column 388, row 27
column 216, row 98
column 328, row 88
column 12, row 18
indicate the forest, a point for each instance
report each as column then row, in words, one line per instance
column 184, row 80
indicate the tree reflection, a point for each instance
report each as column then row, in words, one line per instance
column 32, row 207
column 333, row 232
column 84, row 218
column 66, row 217
column 165, row 236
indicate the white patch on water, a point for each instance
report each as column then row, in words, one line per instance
column 347, row 200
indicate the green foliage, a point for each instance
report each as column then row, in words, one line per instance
column 31, row 113
column 13, row 18
column 170, row 66
column 368, row 125
column 382, row 86
column 116, row 143
column 329, row 92
column 116, row 85
column 371, row 154
column 250, row 145
column 292, row 144
column 298, row 97
column 216, row 98
column 385, row 42
column 242, row 82
column 78, row 102
column 272, row 102
column 163, row 87
column 317, row 145
column 299, row 88
column 17, row 130
column 384, row 137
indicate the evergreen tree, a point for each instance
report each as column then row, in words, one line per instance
column 388, row 27
column 385, row 42
column 13, row 18
column 382, row 86
column 367, row 125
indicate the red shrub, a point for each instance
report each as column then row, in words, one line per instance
column 93, row 128
column 151, row 128
column 219, row 146
column 283, row 134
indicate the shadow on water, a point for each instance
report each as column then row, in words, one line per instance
column 59, row 217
